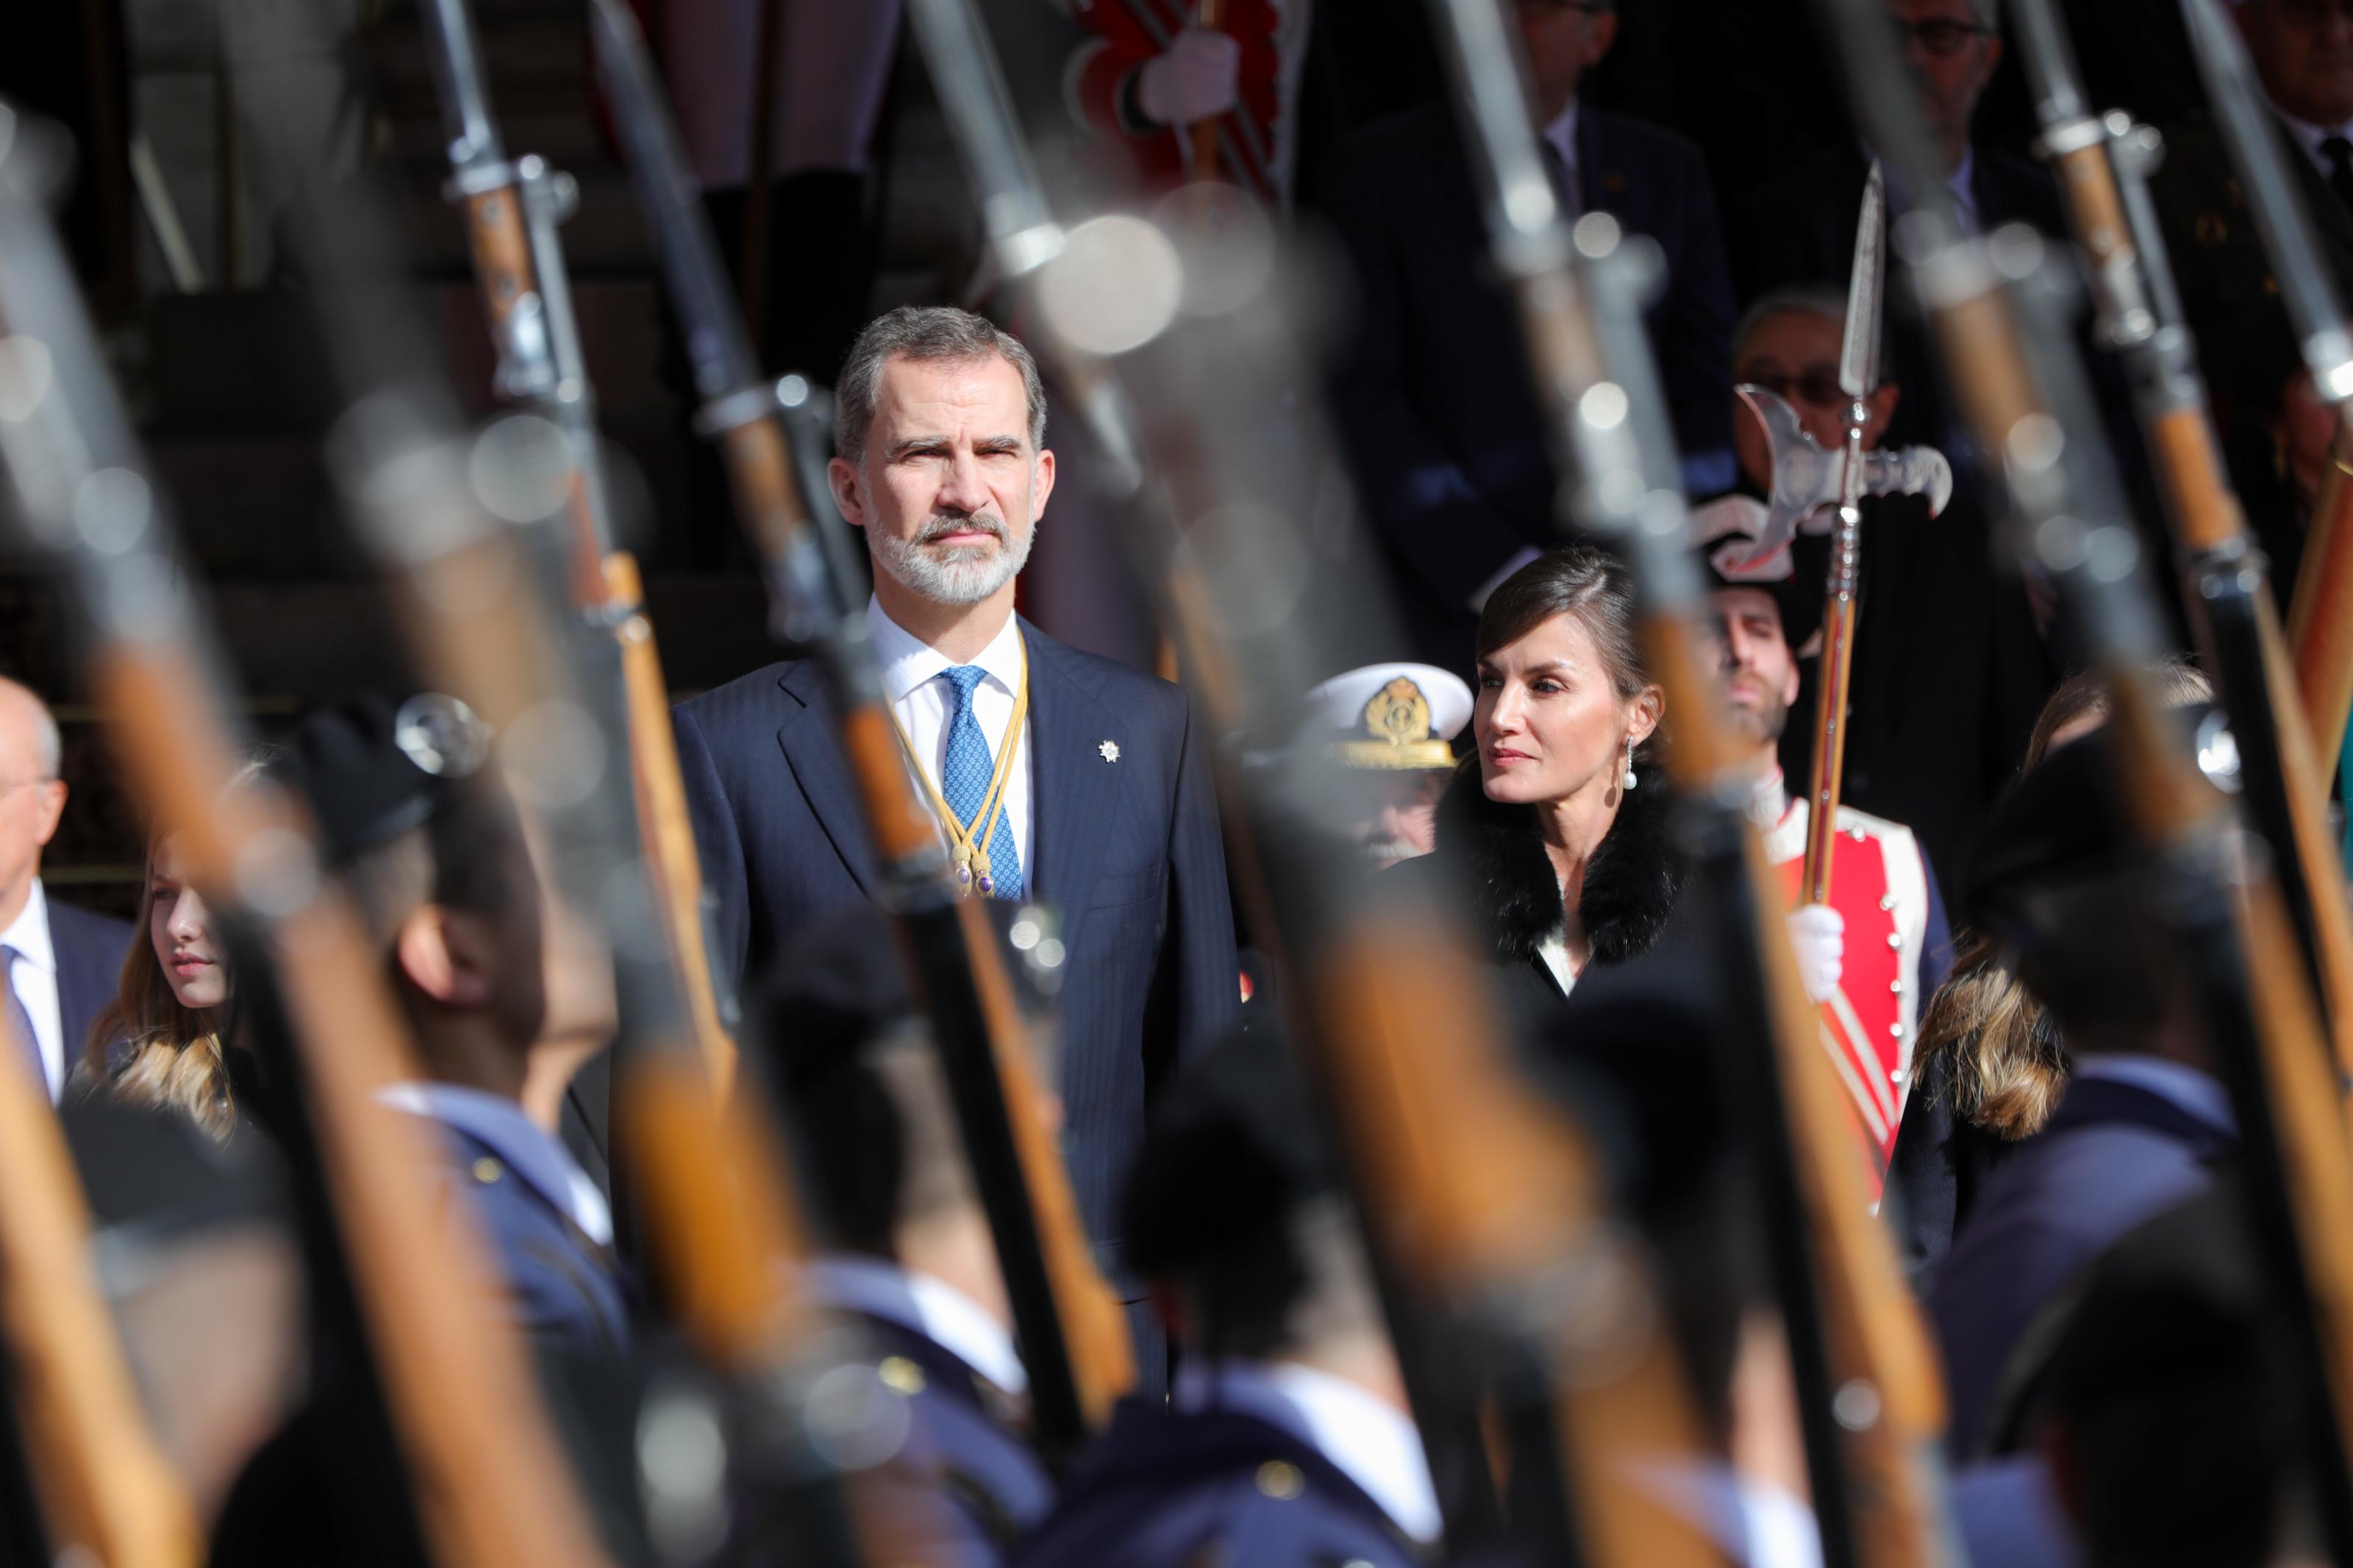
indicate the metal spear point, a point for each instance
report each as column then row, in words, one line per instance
column 1859, row 352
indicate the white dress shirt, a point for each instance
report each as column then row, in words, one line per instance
column 35, row 979
column 531, row 1152
column 921, row 1304
column 1371, row 1442
column 924, row 704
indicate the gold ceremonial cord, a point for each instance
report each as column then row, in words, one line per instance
column 974, row 860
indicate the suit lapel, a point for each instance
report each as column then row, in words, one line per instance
column 2320, row 198
column 1074, row 789
column 812, row 749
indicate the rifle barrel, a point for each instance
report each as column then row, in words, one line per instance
column 2026, row 399
column 491, row 1486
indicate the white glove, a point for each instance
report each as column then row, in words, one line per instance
column 1817, row 935
column 1199, row 78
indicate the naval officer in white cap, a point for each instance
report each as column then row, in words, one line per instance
column 1393, row 726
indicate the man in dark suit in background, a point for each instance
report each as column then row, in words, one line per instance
column 62, row 964
column 2303, row 54
column 1093, row 781
column 1432, row 390
column 1799, row 227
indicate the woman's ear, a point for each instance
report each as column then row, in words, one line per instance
column 1649, row 706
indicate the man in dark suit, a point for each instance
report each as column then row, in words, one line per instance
column 2219, row 260
column 905, row 1250
column 1054, row 774
column 2144, row 1117
column 1441, row 422
column 62, row 964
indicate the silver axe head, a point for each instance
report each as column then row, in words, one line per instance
column 1806, row 478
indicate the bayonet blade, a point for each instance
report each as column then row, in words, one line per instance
column 1859, row 354
column 2240, row 110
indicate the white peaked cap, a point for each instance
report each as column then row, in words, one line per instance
column 1390, row 715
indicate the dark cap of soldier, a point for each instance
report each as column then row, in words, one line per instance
column 377, row 765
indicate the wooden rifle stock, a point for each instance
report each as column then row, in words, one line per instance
column 1478, row 1185
column 529, row 315
column 2230, row 606
column 492, row 1488
column 1878, row 1372
column 106, row 1490
column 1870, row 1395
column 2320, row 616
column 2259, row 1005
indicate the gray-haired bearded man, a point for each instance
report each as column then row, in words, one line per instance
column 1053, row 773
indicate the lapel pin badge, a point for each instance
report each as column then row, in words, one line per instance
column 1110, row 751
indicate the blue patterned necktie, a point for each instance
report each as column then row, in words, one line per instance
column 28, row 1048
column 964, row 775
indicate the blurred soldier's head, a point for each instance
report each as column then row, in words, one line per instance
column 1951, row 47
column 939, row 431
column 1788, row 344
column 2054, row 878
column 31, row 797
column 1233, row 1212
column 2302, row 50
column 1565, row 39
column 1390, row 727
column 872, row 1122
column 437, row 860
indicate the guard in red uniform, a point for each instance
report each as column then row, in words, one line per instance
column 1897, row 947
column 1151, row 72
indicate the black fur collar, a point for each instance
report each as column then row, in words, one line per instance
column 1629, row 887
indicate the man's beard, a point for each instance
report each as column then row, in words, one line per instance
column 964, row 574
column 1762, row 725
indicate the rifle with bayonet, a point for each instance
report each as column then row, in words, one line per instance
column 512, row 208
column 106, row 1490
column 1073, row 1335
column 2320, row 628
column 482, row 596
column 1870, row 1400
column 489, row 1483
column 2103, row 163
column 1472, row 1193
column 2028, row 402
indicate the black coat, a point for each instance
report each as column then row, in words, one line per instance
column 1436, row 408
column 1492, row 856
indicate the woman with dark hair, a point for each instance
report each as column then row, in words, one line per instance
column 1990, row 1068
column 1556, row 828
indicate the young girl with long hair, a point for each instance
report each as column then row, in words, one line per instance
column 161, row 1042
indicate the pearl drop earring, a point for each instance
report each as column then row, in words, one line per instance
column 1629, row 781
